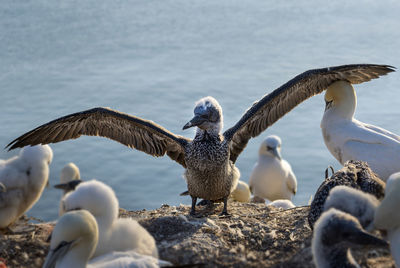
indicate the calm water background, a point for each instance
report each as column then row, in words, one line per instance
column 154, row 59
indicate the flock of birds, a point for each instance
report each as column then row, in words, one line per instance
column 89, row 233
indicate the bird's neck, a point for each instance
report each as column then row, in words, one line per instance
column 338, row 257
column 78, row 256
column 207, row 135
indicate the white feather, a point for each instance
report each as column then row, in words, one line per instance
column 241, row 192
column 24, row 177
column 114, row 233
column 387, row 215
column 79, row 233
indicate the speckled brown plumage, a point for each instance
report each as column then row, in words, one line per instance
column 355, row 174
column 210, row 174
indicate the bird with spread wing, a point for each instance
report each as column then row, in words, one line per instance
column 209, row 158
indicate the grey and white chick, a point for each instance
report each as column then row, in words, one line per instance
column 355, row 202
column 334, row 234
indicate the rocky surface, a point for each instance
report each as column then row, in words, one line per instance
column 255, row 235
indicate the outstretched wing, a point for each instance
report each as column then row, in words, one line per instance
column 273, row 106
column 131, row 131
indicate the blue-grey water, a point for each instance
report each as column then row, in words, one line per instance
column 154, row 59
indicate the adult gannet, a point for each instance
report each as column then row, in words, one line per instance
column 355, row 202
column 73, row 243
column 387, row 215
column 272, row 177
column 209, row 159
column 334, row 234
column 241, row 193
column 115, row 234
column 349, row 139
column 24, row 178
column 69, row 179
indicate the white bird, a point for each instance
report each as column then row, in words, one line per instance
column 69, row 173
column 355, row 202
column 24, row 178
column 387, row 215
column 70, row 178
column 334, row 234
column 208, row 159
column 349, row 139
column 241, row 192
column 281, row 203
column 115, row 234
column 73, row 243
column 272, row 177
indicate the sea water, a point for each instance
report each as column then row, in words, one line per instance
column 154, row 59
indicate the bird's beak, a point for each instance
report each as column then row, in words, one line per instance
column 196, row 121
column 328, row 105
column 361, row 237
column 56, row 254
column 277, row 153
column 69, row 186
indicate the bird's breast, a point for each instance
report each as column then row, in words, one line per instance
column 206, row 156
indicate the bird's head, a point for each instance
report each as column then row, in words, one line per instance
column 69, row 172
column 73, row 228
column 97, row 198
column 207, row 115
column 341, row 97
column 336, row 227
column 271, row 146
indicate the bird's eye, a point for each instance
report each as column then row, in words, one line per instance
column 269, row 148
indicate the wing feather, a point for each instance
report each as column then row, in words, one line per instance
column 134, row 132
column 273, row 106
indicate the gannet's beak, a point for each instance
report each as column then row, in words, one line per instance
column 275, row 151
column 360, row 237
column 196, row 121
column 69, row 186
column 328, row 105
column 56, row 254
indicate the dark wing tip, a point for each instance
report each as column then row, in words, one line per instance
column 21, row 141
column 13, row 145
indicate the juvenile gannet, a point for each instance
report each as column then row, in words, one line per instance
column 73, row 243
column 349, row 139
column 115, row 234
column 355, row 202
column 209, row 159
column 24, row 178
column 334, row 234
column 272, row 177
column 242, row 192
column 355, row 174
column 387, row 215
